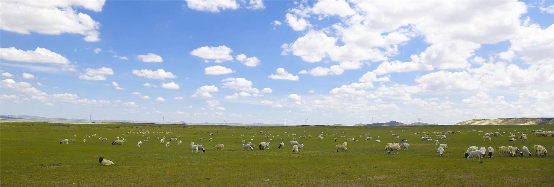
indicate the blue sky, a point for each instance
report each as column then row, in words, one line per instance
column 256, row 61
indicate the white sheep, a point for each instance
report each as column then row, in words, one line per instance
column 440, row 150
column 105, row 162
column 167, row 144
column 475, row 154
column 247, row 146
column 64, row 141
column 491, row 151
column 437, row 142
column 117, row 142
column 445, row 146
column 139, row 143
column 293, row 142
column 404, row 146
column 392, row 147
column 281, row 145
column 341, row 147
column 300, row 146
column 525, row 150
column 219, row 146
column 483, row 150
column 295, row 148
column 377, row 140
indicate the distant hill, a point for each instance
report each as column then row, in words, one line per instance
column 507, row 121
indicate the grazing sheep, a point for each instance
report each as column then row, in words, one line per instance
column 167, row 144
column 440, row 150
column 404, row 146
column 404, row 140
column 345, row 143
column 295, row 148
column 179, row 142
column 525, row 150
column 219, row 146
column 172, row 139
column 392, row 147
column 117, row 142
column 437, row 142
column 377, row 140
column 445, row 146
column 469, row 150
column 281, row 145
column 540, row 150
column 139, row 143
column 105, row 162
column 293, row 142
column 485, row 138
column 475, row 154
column 523, row 138
column 341, row 147
column 247, row 146
column 491, row 151
column 64, row 141
column 300, row 146
column 483, row 150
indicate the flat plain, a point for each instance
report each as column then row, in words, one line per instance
column 31, row 155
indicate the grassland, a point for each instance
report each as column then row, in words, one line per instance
column 32, row 156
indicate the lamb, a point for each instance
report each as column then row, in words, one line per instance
column 440, row 150
column 475, row 154
column 139, row 143
column 247, row 146
column 300, row 146
column 295, row 148
column 293, row 142
column 219, row 146
column 281, row 145
column 167, row 144
column 341, row 147
column 64, row 141
column 105, row 162
column 540, row 150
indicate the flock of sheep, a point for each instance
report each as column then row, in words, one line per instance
column 471, row 153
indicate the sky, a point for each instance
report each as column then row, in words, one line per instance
column 277, row 61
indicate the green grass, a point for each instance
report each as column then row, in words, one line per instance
column 32, row 156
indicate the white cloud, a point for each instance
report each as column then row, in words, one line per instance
column 158, row 74
column 267, row 90
column 320, row 71
column 400, row 67
column 160, row 99
column 372, row 77
column 303, row 72
column 28, row 76
column 23, row 87
column 549, row 9
column 255, row 4
column 232, row 97
column 312, row 47
column 295, row 98
column 171, row 86
column 7, row 74
column 276, row 23
column 178, row 98
column 38, row 83
column 97, row 50
column 507, row 55
column 136, row 93
column 145, row 97
column 282, row 74
column 96, row 74
column 51, row 17
column 122, row 57
column 212, row 6
column 311, row 91
column 333, row 8
column 150, row 57
column 240, row 84
column 297, row 23
column 149, row 85
column 534, row 45
column 213, row 103
column 218, row 70
column 204, row 91
column 216, row 54
column 248, row 61
column 117, row 86
column 39, row 55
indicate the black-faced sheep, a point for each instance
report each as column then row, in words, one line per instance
column 105, row 162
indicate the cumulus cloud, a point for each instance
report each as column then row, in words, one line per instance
column 51, row 17
column 39, row 55
column 158, row 74
column 212, row 6
column 160, row 99
column 150, row 57
column 333, row 8
column 145, row 97
column 282, row 74
column 267, row 90
column 216, row 54
column 218, row 70
column 240, row 84
column 6, row 74
column 204, row 91
column 248, row 61
column 312, row 47
column 295, row 98
column 117, row 86
column 276, row 23
column 400, row 67
column 96, row 74
column 171, row 86
column 320, row 71
column 297, row 23
column 149, row 85
column 28, row 76
column 97, row 50
column 178, row 98
column 255, row 4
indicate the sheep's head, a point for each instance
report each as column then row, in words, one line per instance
column 100, row 160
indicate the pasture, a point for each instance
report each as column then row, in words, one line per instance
column 31, row 155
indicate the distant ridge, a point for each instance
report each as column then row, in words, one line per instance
column 507, row 121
